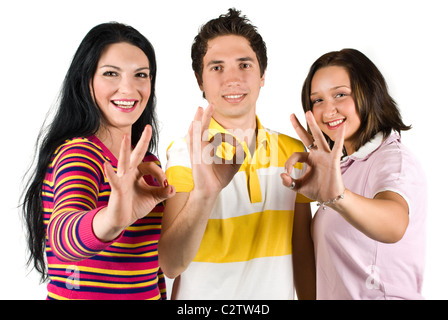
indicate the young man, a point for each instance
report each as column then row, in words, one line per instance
column 232, row 231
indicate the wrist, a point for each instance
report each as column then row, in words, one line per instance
column 333, row 203
column 203, row 198
column 103, row 229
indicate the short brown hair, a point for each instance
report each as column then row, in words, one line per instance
column 376, row 108
column 231, row 23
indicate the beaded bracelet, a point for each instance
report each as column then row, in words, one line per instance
column 332, row 201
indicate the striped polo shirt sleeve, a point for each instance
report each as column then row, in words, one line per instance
column 286, row 146
column 74, row 176
column 178, row 167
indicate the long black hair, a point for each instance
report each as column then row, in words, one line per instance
column 78, row 115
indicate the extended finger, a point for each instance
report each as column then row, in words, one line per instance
column 306, row 138
column 194, row 138
column 319, row 139
column 198, row 114
column 194, row 131
column 339, row 141
column 141, row 148
column 110, row 174
column 123, row 158
column 207, row 117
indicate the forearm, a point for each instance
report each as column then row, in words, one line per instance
column 70, row 235
column 305, row 274
column 182, row 231
column 303, row 254
column 384, row 218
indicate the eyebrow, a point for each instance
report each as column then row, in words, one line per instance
column 119, row 69
column 245, row 59
column 334, row 88
column 242, row 59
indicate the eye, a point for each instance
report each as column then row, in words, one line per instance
column 142, row 75
column 245, row 65
column 216, row 68
column 340, row 95
column 110, row 74
column 313, row 102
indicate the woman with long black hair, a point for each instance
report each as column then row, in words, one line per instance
column 93, row 204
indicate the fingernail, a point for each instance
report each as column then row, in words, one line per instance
column 165, row 183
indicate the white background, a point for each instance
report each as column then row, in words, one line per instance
column 407, row 40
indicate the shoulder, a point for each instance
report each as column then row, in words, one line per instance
column 177, row 144
column 150, row 157
column 177, row 153
column 393, row 163
column 393, row 152
column 79, row 151
column 178, row 166
column 285, row 142
column 79, row 145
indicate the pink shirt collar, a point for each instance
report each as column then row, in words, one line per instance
column 367, row 149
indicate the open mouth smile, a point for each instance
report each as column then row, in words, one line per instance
column 335, row 124
column 125, row 105
column 234, row 98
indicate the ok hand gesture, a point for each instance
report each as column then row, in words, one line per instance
column 131, row 198
column 322, row 180
column 211, row 176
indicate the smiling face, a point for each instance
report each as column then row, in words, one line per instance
column 333, row 104
column 121, row 85
column 231, row 79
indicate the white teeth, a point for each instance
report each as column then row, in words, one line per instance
column 335, row 123
column 234, row 96
column 124, row 104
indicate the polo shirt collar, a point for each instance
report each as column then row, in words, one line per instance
column 262, row 136
column 250, row 162
column 367, row 149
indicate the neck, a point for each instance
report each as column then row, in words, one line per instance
column 112, row 137
column 243, row 128
column 349, row 147
column 238, row 123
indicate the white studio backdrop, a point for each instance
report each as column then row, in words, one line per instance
column 405, row 39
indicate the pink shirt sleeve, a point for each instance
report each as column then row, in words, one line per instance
column 397, row 170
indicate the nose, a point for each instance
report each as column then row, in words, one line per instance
column 232, row 77
column 126, row 84
column 329, row 109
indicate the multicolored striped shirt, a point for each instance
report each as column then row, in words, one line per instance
column 80, row 266
column 246, row 250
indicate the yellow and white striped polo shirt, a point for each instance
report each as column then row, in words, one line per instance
column 246, row 250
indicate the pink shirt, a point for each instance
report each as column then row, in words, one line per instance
column 349, row 264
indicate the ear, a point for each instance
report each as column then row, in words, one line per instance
column 262, row 80
column 199, row 80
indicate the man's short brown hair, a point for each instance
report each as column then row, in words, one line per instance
column 231, row 23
